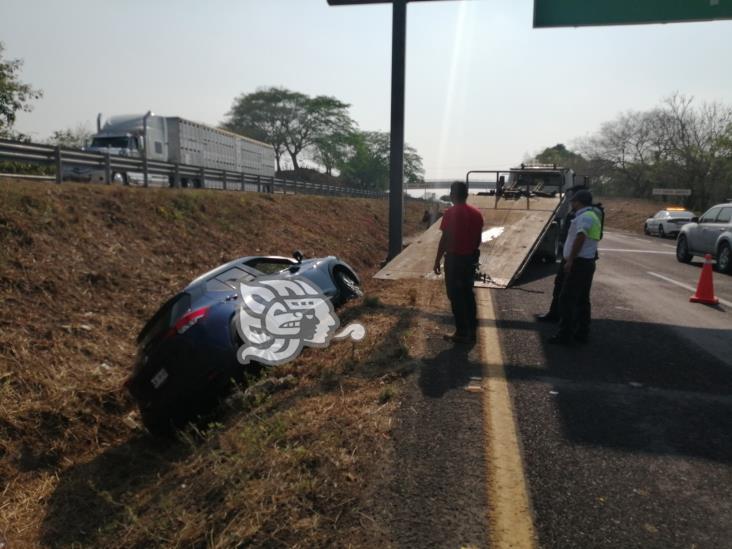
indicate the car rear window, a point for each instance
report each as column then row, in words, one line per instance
column 226, row 281
column 681, row 214
column 725, row 215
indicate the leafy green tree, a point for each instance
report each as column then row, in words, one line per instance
column 71, row 137
column 292, row 122
column 560, row 155
column 368, row 164
column 14, row 95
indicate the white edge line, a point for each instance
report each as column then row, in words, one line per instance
column 685, row 286
column 635, row 251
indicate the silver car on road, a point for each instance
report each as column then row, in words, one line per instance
column 710, row 234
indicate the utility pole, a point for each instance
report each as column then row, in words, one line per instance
column 396, row 153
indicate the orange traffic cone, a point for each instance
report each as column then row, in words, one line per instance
column 705, row 288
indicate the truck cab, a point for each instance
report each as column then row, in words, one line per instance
column 127, row 136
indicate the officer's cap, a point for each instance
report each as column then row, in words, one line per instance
column 583, row 196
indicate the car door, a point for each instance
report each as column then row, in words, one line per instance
column 662, row 222
column 720, row 225
column 708, row 231
column 653, row 222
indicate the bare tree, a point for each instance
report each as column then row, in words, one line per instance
column 674, row 145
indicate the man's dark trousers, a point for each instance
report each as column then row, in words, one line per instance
column 574, row 300
column 558, row 281
column 459, row 278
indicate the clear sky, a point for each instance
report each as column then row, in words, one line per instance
column 483, row 88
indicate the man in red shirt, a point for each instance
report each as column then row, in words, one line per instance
column 462, row 227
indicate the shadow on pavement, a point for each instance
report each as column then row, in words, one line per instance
column 449, row 369
column 637, row 386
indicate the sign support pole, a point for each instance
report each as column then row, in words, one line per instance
column 396, row 156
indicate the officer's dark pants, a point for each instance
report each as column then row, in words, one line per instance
column 558, row 280
column 459, row 278
column 574, row 300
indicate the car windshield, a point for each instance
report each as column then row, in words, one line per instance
column 120, row 142
column 270, row 265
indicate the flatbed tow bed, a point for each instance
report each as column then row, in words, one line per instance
column 515, row 229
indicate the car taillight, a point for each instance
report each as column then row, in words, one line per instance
column 189, row 320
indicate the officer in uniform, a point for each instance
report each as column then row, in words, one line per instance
column 580, row 254
column 553, row 314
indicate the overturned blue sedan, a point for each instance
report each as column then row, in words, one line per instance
column 187, row 352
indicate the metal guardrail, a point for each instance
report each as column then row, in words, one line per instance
column 33, row 153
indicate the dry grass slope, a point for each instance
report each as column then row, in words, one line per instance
column 629, row 214
column 81, row 268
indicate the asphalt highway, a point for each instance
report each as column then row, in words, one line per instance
column 626, row 441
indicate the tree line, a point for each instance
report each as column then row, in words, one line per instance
column 681, row 143
column 321, row 130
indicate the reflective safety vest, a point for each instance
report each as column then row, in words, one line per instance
column 595, row 232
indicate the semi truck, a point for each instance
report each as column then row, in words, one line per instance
column 175, row 140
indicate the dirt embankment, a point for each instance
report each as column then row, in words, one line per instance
column 81, row 268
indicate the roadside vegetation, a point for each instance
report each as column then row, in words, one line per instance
column 681, row 143
column 318, row 130
column 288, row 462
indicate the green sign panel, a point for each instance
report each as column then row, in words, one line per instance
column 581, row 13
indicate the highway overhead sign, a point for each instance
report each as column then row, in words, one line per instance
column 353, row 2
column 579, row 13
column 671, row 192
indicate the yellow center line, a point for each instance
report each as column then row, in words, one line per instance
column 509, row 508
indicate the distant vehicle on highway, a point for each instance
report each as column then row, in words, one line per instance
column 175, row 140
column 709, row 234
column 186, row 357
column 667, row 222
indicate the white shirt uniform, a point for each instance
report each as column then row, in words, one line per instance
column 581, row 224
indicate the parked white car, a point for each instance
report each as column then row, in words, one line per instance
column 668, row 222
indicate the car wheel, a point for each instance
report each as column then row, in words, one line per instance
column 645, row 229
column 682, row 250
column 661, row 232
column 348, row 288
column 724, row 258
column 119, row 179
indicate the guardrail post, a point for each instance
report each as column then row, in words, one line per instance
column 243, row 182
column 144, row 164
column 271, row 184
column 107, row 168
column 223, row 180
column 59, row 164
column 176, row 175
column 203, row 177
column 259, row 183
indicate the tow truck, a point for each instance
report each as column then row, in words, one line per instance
column 524, row 211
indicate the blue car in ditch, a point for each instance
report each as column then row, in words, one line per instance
column 187, row 352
